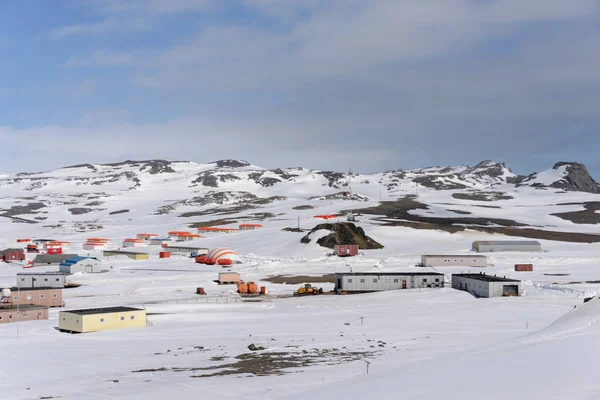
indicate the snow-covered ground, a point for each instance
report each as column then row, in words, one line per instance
column 417, row 344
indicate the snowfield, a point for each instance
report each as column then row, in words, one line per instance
column 417, row 344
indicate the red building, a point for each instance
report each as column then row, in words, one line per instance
column 12, row 255
column 346, row 250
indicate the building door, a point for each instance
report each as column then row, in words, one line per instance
column 339, row 284
column 510, row 290
column 403, row 284
column 88, row 268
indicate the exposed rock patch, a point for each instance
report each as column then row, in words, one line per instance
column 343, row 233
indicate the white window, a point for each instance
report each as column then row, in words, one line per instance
column 374, row 280
column 15, row 298
column 1, row 317
column 64, row 319
column 76, row 321
column 10, row 316
column 45, row 279
column 132, row 317
column 41, row 296
column 349, row 280
column 54, row 295
column 122, row 318
column 24, row 315
column 362, row 281
column 395, row 280
column 101, row 319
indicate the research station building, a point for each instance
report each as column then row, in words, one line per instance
column 446, row 260
column 52, row 279
column 482, row 285
column 491, row 246
column 100, row 319
column 27, row 312
column 379, row 281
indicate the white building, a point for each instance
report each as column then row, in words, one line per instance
column 446, row 260
column 160, row 241
column 41, row 279
column 490, row 246
column 482, row 285
column 94, row 246
column 379, row 281
column 81, row 264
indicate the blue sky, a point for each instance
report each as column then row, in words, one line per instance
column 330, row 84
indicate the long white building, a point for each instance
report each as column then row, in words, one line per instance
column 447, row 260
column 490, row 246
column 380, row 281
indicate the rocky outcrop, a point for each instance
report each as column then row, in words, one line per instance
column 576, row 178
column 231, row 163
column 343, row 233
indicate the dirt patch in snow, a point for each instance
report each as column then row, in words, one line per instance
column 265, row 363
column 587, row 216
column 482, row 196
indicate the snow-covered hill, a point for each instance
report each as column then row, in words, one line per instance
column 184, row 193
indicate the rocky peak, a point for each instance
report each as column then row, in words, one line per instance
column 231, row 163
column 576, row 177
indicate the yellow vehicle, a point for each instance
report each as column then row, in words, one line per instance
column 308, row 290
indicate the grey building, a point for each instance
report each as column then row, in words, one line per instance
column 41, row 279
column 490, row 246
column 50, row 259
column 447, row 260
column 186, row 250
column 482, row 285
column 380, row 281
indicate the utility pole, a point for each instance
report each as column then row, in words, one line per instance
column 361, row 320
column 350, row 180
column 18, row 308
column 298, row 223
column 368, row 363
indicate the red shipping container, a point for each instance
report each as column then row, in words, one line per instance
column 346, row 250
column 55, row 250
column 524, row 267
column 164, row 254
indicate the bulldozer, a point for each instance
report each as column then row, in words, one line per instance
column 308, row 290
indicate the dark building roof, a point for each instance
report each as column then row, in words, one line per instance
column 123, row 252
column 509, row 242
column 104, row 310
column 52, row 258
column 41, row 273
column 486, row 278
column 388, row 273
column 174, row 246
column 16, row 289
column 456, row 255
column 20, row 307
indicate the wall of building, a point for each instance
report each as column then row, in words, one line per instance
column 41, row 280
column 494, row 247
column 375, row 282
column 473, row 286
column 482, row 288
column 229, row 277
column 42, row 297
column 118, row 320
column 88, row 265
column 453, row 260
column 70, row 322
column 13, row 315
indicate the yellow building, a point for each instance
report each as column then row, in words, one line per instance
column 131, row 254
column 101, row 319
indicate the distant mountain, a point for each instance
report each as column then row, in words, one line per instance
column 153, row 188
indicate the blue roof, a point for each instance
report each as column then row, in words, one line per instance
column 74, row 260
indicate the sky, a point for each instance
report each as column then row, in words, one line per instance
column 369, row 85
